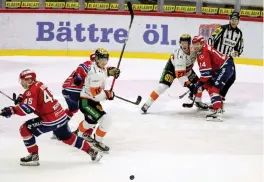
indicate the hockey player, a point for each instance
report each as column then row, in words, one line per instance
column 39, row 100
column 72, row 88
column 228, row 40
column 180, row 66
column 92, row 93
column 216, row 69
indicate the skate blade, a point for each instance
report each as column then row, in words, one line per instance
column 98, row 158
column 214, row 119
column 143, row 111
column 33, row 163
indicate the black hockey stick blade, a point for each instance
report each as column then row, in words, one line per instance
column 189, row 105
column 137, row 102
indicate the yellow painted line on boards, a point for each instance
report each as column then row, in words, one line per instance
column 84, row 53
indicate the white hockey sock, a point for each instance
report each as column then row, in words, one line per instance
column 156, row 93
column 104, row 126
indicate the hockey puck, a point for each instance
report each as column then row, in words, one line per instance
column 131, row 177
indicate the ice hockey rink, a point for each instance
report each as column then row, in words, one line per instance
column 170, row 144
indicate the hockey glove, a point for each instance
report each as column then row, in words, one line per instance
column 112, row 71
column 7, row 112
column 191, row 87
column 109, row 94
column 77, row 80
column 17, row 99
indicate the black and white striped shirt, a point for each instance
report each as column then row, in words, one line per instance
column 226, row 39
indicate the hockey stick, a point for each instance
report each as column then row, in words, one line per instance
column 181, row 96
column 139, row 98
column 189, row 105
column 6, row 95
column 129, row 5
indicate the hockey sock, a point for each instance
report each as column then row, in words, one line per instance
column 198, row 97
column 104, row 126
column 77, row 142
column 29, row 139
column 215, row 98
column 156, row 93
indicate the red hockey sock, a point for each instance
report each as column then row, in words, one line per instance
column 78, row 142
column 29, row 139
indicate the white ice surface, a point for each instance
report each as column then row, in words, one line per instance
column 170, row 144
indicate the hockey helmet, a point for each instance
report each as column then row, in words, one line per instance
column 186, row 37
column 28, row 74
column 198, row 43
column 101, row 53
column 27, row 77
column 198, row 39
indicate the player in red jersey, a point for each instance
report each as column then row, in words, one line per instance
column 215, row 69
column 38, row 99
column 72, row 87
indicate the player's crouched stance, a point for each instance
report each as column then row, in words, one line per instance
column 92, row 93
column 51, row 117
column 215, row 69
column 180, row 66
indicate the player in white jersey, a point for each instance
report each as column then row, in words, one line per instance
column 180, row 66
column 92, row 93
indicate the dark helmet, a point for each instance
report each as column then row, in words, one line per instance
column 101, row 53
column 234, row 15
column 186, row 37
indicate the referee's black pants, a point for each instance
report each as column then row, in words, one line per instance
column 229, row 83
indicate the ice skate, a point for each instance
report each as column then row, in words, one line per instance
column 216, row 115
column 88, row 138
column 201, row 105
column 144, row 108
column 30, row 160
column 101, row 146
column 95, row 155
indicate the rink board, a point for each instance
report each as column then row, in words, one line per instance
column 142, row 55
column 78, row 33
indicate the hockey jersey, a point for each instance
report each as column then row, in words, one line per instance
column 183, row 64
column 39, row 100
column 95, row 83
column 209, row 61
column 82, row 71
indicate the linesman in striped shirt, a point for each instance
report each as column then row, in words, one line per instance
column 228, row 39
